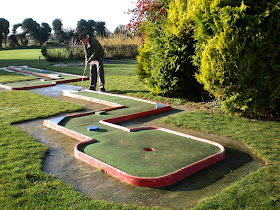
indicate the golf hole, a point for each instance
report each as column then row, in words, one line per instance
column 149, row 149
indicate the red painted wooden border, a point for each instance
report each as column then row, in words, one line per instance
column 42, row 75
column 156, row 182
column 128, row 178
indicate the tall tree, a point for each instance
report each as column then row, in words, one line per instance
column 4, row 30
column 39, row 33
column 59, row 34
column 31, row 27
column 82, row 26
column 45, row 32
column 91, row 27
column 100, row 28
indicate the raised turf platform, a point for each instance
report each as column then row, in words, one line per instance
column 47, row 78
column 141, row 156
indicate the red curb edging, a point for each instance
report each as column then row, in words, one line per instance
column 41, row 75
column 137, row 115
column 28, row 72
column 155, row 182
column 32, row 87
column 66, row 131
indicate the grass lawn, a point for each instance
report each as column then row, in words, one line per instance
column 11, row 77
column 24, row 185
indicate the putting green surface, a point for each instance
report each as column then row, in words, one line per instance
column 37, row 82
column 126, row 150
column 50, row 78
column 30, row 83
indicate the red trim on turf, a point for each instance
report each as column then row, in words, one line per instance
column 152, row 181
column 32, row 87
column 79, row 78
column 66, row 131
column 29, row 72
column 121, row 175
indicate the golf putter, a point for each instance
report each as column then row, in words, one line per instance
column 83, row 76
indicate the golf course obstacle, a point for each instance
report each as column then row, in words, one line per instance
column 140, row 156
column 44, row 78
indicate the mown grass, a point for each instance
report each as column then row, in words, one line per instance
column 23, row 185
column 259, row 190
column 10, row 77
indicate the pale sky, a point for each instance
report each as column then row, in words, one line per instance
column 70, row 12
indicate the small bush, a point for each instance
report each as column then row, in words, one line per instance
column 165, row 61
column 166, row 65
column 60, row 54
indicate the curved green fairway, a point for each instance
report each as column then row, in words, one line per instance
column 126, row 150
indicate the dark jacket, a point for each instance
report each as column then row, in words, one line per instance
column 94, row 50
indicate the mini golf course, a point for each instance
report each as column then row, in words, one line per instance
column 47, row 78
column 141, row 156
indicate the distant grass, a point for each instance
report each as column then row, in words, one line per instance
column 21, row 54
column 11, row 77
column 259, row 190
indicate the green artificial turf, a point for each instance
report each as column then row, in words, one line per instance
column 30, row 83
column 6, row 76
column 38, row 82
column 125, row 150
column 21, row 81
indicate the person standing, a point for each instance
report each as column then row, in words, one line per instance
column 94, row 57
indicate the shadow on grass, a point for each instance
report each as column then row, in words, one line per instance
column 234, row 160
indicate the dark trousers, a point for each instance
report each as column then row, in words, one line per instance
column 97, row 68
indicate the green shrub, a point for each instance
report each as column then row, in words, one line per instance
column 166, row 65
column 60, row 54
column 166, row 61
column 239, row 47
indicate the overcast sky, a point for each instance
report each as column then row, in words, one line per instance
column 70, row 12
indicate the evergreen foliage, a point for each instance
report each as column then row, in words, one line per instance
column 239, row 54
column 165, row 63
column 232, row 48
